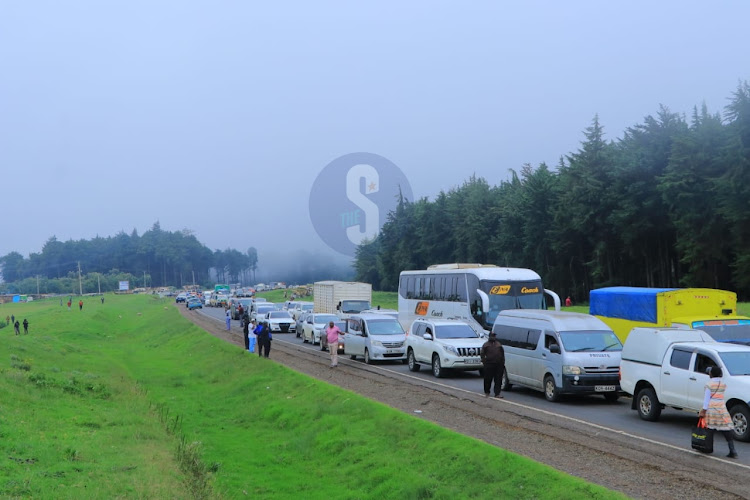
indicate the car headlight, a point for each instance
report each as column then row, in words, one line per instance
column 377, row 343
column 572, row 370
column 450, row 349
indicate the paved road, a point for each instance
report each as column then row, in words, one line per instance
column 672, row 430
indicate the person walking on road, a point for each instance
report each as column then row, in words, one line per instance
column 228, row 319
column 332, row 336
column 264, row 339
column 493, row 360
column 715, row 409
column 25, row 326
column 17, row 327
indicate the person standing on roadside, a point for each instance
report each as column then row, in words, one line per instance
column 228, row 319
column 715, row 409
column 264, row 339
column 252, row 336
column 17, row 327
column 102, row 299
column 493, row 360
column 25, row 326
column 332, row 337
column 246, row 331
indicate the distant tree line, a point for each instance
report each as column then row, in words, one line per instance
column 156, row 258
column 667, row 205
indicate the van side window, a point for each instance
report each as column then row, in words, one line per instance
column 681, row 359
column 514, row 336
column 533, row 339
column 703, row 363
column 419, row 329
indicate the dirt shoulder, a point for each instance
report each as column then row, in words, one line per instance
column 636, row 468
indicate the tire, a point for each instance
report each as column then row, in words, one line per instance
column 413, row 365
column 550, row 389
column 437, row 368
column 741, row 419
column 353, row 356
column 368, row 361
column 611, row 397
column 648, row 405
column 505, row 384
column 304, row 339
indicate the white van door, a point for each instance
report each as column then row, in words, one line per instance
column 550, row 362
column 354, row 340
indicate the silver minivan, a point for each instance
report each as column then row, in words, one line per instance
column 374, row 337
column 559, row 352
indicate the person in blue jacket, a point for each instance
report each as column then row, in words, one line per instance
column 263, row 331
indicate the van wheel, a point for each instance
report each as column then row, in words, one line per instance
column 413, row 365
column 505, row 384
column 648, row 405
column 550, row 389
column 368, row 361
column 740, row 418
column 437, row 368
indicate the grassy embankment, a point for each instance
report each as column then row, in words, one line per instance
column 129, row 400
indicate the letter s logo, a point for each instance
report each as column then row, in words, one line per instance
column 370, row 209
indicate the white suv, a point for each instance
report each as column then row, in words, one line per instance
column 444, row 344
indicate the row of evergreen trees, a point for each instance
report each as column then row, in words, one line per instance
column 667, row 205
column 156, row 258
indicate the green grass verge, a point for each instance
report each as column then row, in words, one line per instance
column 129, row 400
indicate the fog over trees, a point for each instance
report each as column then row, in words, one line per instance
column 666, row 205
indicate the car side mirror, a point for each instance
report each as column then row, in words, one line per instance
column 554, row 348
column 427, row 336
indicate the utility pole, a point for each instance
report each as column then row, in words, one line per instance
column 80, row 283
column 37, row 286
column 193, row 279
column 99, row 282
column 144, row 279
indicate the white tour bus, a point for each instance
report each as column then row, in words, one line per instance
column 475, row 293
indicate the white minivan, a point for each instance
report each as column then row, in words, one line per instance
column 559, row 352
column 374, row 337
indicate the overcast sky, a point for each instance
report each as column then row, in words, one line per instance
column 218, row 116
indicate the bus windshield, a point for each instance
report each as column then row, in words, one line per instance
column 515, row 295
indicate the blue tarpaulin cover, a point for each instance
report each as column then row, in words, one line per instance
column 626, row 302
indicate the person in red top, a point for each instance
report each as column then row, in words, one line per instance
column 80, row 305
column 332, row 336
column 568, row 302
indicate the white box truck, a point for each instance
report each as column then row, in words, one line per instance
column 341, row 297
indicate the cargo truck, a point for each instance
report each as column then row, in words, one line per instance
column 713, row 311
column 341, row 297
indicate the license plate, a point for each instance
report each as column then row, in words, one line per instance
column 390, row 351
column 605, row 388
column 472, row 361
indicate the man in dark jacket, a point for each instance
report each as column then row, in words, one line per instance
column 264, row 339
column 493, row 359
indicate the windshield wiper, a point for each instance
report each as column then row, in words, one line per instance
column 610, row 345
column 583, row 349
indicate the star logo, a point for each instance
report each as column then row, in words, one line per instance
column 371, row 187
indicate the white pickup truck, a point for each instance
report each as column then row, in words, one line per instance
column 668, row 367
